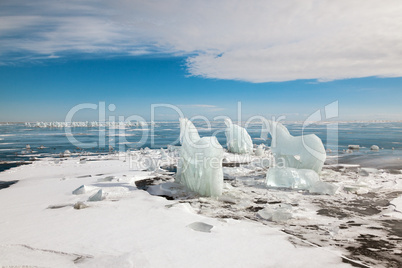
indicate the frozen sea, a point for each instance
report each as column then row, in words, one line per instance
column 51, row 141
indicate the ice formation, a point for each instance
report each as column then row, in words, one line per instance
column 200, row 227
column 237, row 138
column 152, row 164
column 260, row 150
column 200, row 164
column 298, row 161
column 374, row 148
column 291, row 178
column 81, row 190
column 167, row 189
column 301, row 152
column 303, row 179
column 98, row 196
column 66, row 153
column 279, row 214
column 322, row 187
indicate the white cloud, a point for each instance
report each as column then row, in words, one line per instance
column 256, row 41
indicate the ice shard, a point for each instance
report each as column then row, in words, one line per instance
column 200, row 163
column 237, row 138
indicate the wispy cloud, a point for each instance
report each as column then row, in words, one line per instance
column 256, row 41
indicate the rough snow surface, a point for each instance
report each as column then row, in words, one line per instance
column 252, row 226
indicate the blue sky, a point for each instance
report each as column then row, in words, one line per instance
column 287, row 58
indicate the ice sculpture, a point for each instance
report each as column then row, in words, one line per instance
column 301, row 152
column 200, row 164
column 237, row 138
column 298, row 161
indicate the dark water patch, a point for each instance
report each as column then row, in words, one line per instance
column 166, row 197
column 375, row 228
column 170, row 168
column 394, row 171
column 254, row 209
column 6, row 166
column 369, row 249
column 332, row 212
column 312, row 227
column 84, row 176
column 364, row 209
column 387, row 159
column 6, row 184
column 394, row 227
column 231, row 216
column 60, row 206
column 234, row 164
column 274, row 202
column 375, row 250
column 144, row 184
column 393, row 195
column 260, row 201
column 355, row 224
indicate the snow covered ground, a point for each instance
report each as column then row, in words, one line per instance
column 43, row 224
